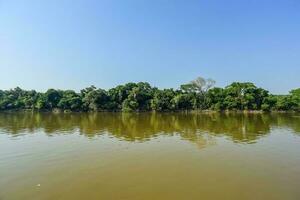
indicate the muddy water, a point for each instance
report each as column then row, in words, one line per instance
column 149, row 156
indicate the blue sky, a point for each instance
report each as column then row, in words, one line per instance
column 73, row 44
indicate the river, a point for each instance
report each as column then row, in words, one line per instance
column 146, row 156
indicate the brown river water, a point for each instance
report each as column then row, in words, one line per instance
column 147, row 156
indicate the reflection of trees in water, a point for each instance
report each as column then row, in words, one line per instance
column 143, row 126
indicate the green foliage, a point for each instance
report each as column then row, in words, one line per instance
column 41, row 102
column 215, row 99
column 197, row 90
column 287, row 102
column 162, row 100
column 295, row 93
column 119, row 94
column 52, row 98
column 70, row 101
column 139, row 98
column 295, row 98
column 269, row 103
column 94, row 99
column 183, row 102
column 197, row 94
column 244, row 96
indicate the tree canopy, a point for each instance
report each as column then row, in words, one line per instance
column 198, row 94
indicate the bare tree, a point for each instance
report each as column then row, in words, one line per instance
column 202, row 85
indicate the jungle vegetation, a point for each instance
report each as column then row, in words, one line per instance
column 199, row 94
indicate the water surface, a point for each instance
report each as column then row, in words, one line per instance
column 149, row 156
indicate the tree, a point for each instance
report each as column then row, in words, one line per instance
column 41, row 102
column 285, row 102
column 29, row 99
column 139, row 98
column 70, row 101
column 295, row 92
column 119, row 94
column 183, row 102
column 199, row 85
column 215, row 99
column 94, row 99
column 289, row 102
column 295, row 98
column 198, row 88
column 162, row 100
column 243, row 96
column 203, row 85
column 52, row 97
column 269, row 103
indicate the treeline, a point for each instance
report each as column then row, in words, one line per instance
column 196, row 95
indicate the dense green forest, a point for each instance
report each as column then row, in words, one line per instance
column 196, row 95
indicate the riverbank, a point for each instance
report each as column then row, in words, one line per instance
column 140, row 97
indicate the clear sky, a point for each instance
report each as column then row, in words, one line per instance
column 74, row 44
